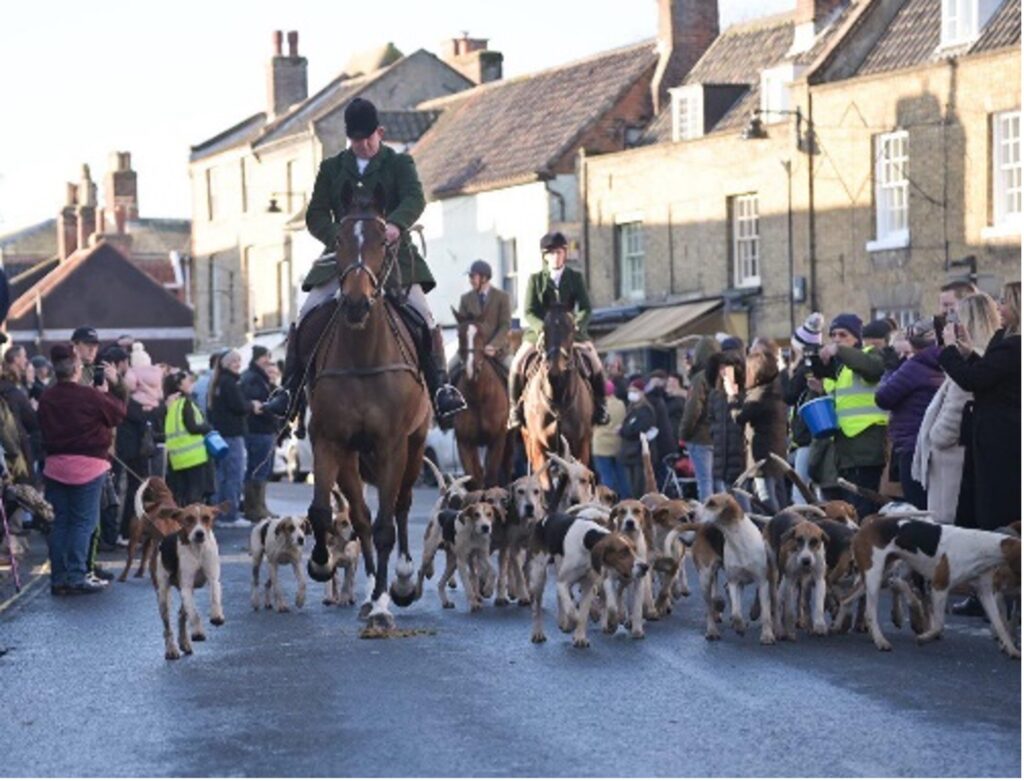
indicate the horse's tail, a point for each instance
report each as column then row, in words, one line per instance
column 650, row 482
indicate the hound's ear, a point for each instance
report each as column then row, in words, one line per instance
column 307, row 527
column 347, row 194
column 455, row 502
column 168, row 512
column 648, row 515
column 613, row 516
column 221, row 508
column 788, row 535
column 825, row 538
column 613, row 495
column 660, row 515
column 380, row 199
column 279, row 530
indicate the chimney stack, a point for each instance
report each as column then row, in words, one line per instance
column 472, row 58
column 120, row 186
column 67, row 223
column 86, row 210
column 686, row 28
column 286, row 76
column 808, row 21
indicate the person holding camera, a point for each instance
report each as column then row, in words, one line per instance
column 77, row 421
column 850, row 373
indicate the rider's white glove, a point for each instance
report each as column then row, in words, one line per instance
column 651, row 433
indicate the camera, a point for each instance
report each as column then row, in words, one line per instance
column 811, row 352
column 98, row 376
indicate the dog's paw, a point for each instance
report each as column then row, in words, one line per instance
column 300, row 601
column 328, row 601
column 638, row 634
column 523, row 602
column 768, row 638
column 820, row 630
column 609, row 627
column 186, row 649
column 217, row 620
column 501, row 602
column 1010, row 651
column 884, row 645
column 448, row 605
column 198, row 637
column 739, row 626
column 538, row 637
column 172, row 654
column 712, row 634
column 580, row 642
column 476, row 607
column 282, row 608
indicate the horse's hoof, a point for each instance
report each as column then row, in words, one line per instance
column 400, row 596
column 319, row 572
column 384, row 621
column 364, row 610
column 217, row 620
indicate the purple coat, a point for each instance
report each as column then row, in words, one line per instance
column 906, row 393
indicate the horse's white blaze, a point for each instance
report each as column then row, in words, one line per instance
column 470, row 355
column 358, row 229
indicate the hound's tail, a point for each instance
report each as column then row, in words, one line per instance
column 650, row 482
column 140, row 495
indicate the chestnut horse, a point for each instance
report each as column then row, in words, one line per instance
column 368, row 407
column 557, row 401
column 483, row 423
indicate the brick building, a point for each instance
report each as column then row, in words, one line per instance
column 251, row 182
column 154, row 245
column 840, row 157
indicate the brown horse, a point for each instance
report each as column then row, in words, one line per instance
column 483, row 423
column 557, row 402
column 369, row 409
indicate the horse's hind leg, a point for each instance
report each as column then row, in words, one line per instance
column 469, row 456
column 325, row 470
column 495, row 461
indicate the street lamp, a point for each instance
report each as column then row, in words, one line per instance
column 272, row 207
column 755, row 129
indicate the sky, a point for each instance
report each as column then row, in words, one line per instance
column 82, row 79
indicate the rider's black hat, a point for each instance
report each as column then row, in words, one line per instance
column 481, row 267
column 553, row 240
column 360, row 119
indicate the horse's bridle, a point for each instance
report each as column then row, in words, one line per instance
column 390, row 260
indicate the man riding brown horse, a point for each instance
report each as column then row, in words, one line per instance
column 489, row 306
column 557, row 284
column 366, row 164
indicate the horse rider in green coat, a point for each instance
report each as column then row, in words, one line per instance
column 368, row 163
column 555, row 283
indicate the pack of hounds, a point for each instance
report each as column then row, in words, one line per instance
column 816, row 567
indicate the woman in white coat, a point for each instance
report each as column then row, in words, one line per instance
column 939, row 457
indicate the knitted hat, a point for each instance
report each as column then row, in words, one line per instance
column 638, row 383
column 848, row 322
column 809, row 334
column 258, row 351
column 732, row 343
column 921, row 334
column 877, row 329
column 139, row 355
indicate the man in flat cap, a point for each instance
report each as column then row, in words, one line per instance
column 555, row 283
column 490, row 308
column 366, row 164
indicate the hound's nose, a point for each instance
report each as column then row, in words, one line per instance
column 629, row 525
column 302, row 540
column 805, row 561
column 528, row 509
column 641, row 568
column 485, row 529
column 200, row 536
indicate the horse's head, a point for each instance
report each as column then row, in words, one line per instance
column 361, row 251
column 559, row 326
column 471, row 343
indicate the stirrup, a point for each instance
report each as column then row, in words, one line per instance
column 448, row 401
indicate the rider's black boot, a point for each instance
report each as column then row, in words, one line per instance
column 515, row 404
column 446, row 397
column 600, row 417
column 303, row 339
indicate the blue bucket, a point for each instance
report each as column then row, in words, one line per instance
column 820, row 416
column 215, row 445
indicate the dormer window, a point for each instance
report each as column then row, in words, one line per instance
column 687, row 112
column 775, row 90
column 963, row 20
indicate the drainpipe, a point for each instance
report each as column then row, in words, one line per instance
column 811, row 242
column 581, row 168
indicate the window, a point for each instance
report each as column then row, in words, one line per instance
column 1006, row 168
column 214, row 303
column 746, row 241
column 244, row 192
column 891, row 190
column 775, row 91
column 631, row 260
column 963, row 20
column 687, row 113
column 211, row 194
column 509, row 270
column 904, row 316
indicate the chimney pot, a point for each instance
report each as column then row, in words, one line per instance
column 278, row 37
column 686, row 28
column 293, row 43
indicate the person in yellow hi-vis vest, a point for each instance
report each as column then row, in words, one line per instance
column 189, row 468
column 850, row 373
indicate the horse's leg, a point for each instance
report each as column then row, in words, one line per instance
column 389, row 469
column 470, row 458
column 495, row 459
column 351, row 486
column 325, row 472
column 403, row 590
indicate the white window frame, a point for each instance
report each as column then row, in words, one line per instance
column 892, row 191
column 905, row 316
column 775, row 91
column 211, row 193
column 631, row 260
column 509, row 270
column 746, row 241
column 687, row 113
column 1006, row 169
column 244, row 192
column 963, row 20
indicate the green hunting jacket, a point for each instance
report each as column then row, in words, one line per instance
column 405, row 203
column 541, row 293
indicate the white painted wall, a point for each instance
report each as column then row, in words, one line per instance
column 462, row 229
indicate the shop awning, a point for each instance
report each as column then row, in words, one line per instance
column 658, row 327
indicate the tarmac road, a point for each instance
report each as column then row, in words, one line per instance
column 87, row 692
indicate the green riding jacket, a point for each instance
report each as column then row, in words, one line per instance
column 405, row 203
column 541, row 293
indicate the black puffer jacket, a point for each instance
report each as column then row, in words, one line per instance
column 727, row 440
column 256, row 386
column 228, row 407
column 763, row 408
column 640, row 417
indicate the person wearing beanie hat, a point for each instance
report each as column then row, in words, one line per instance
column 906, row 394
column 607, row 446
column 143, row 379
column 850, row 374
column 260, row 437
column 809, row 333
column 366, row 165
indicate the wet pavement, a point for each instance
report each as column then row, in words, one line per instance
column 87, row 692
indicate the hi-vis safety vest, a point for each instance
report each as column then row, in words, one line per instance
column 184, row 450
column 855, row 401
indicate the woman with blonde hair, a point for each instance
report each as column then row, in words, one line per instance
column 991, row 433
column 939, row 456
